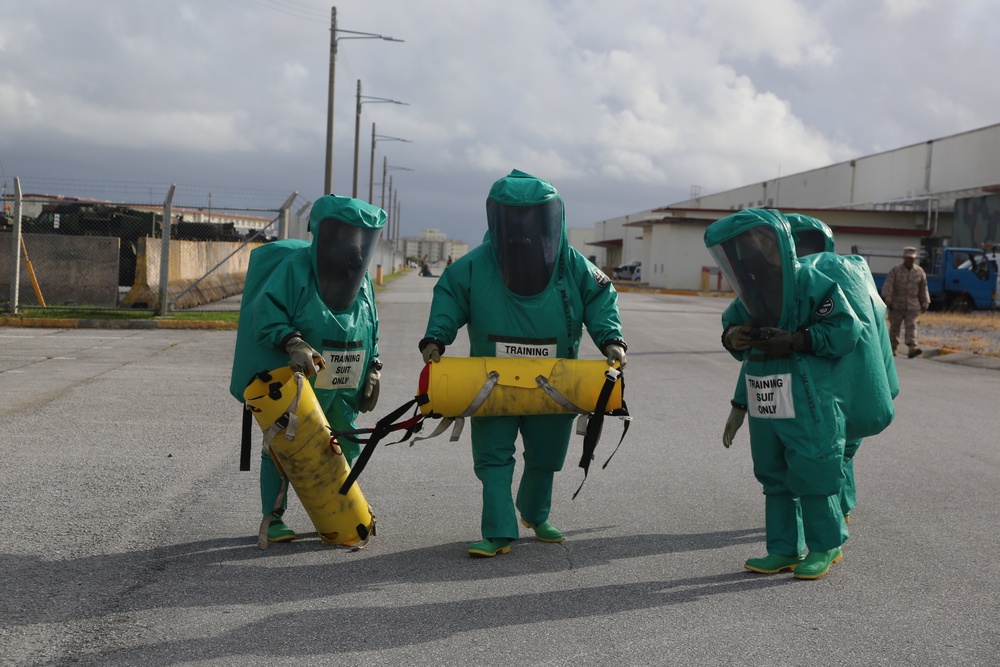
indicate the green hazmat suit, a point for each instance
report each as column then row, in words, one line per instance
column 488, row 292
column 797, row 425
column 319, row 291
column 871, row 369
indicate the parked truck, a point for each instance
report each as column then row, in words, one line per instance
column 958, row 279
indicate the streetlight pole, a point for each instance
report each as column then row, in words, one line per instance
column 364, row 99
column 371, row 170
column 386, row 167
column 351, row 34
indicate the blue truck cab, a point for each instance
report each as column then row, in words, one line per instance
column 958, row 279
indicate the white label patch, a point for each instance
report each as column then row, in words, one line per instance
column 770, row 396
column 344, row 369
column 525, row 350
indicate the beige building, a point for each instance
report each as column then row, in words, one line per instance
column 880, row 202
column 434, row 245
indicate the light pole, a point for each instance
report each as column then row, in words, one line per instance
column 386, row 167
column 371, row 171
column 364, row 99
column 351, row 34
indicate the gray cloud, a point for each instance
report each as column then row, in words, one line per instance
column 623, row 106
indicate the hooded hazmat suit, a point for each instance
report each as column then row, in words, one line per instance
column 523, row 292
column 871, row 370
column 321, row 293
column 797, row 425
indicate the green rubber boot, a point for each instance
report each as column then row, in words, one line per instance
column 773, row 563
column 489, row 548
column 818, row 563
column 277, row 531
column 545, row 532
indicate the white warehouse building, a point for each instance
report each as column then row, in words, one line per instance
column 942, row 189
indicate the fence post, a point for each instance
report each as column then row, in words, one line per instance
column 300, row 229
column 286, row 216
column 165, row 248
column 15, row 250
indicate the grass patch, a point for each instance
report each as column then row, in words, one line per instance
column 83, row 313
column 987, row 320
column 977, row 332
column 386, row 279
column 232, row 316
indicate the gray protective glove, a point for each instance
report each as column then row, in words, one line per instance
column 779, row 342
column 615, row 353
column 737, row 338
column 733, row 424
column 303, row 358
column 431, row 352
column 370, row 395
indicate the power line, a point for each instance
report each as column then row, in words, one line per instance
column 287, row 11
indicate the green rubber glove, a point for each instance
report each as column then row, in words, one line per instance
column 733, row 424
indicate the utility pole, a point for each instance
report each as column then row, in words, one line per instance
column 352, row 34
column 328, row 183
column 365, row 99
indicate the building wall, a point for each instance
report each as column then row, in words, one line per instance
column 579, row 237
column 677, row 257
column 941, row 168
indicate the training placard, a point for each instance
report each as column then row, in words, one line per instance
column 770, row 396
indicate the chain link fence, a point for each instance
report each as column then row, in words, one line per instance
column 158, row 248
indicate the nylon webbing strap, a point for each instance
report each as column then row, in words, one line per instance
column 382, row 428
column 245, row 444
column 484, row 393
column 625, row 417
column 555, row 395
column 459, row 420
column 596, row 423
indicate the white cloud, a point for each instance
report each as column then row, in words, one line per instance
column 643, row 97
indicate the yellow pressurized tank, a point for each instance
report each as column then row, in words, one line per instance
column 514, row 386
column 312, row 462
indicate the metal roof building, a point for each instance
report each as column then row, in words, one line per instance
column 945, row 187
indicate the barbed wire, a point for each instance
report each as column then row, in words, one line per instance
column 152, row 193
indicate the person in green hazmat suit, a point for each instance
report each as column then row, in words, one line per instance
column 316, row 312
column 852, row 274
column 523, row 292
column 799, row 324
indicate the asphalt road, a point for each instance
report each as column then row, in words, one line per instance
column 129, row 532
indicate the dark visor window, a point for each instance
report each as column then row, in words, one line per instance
column 526, row 240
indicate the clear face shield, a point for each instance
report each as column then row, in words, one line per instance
column 526, row 240
column 343, row 253
column 809, row 242
column 751, row 263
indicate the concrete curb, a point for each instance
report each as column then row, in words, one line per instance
column 949, row 355
column 69, row 323
column 677, row 292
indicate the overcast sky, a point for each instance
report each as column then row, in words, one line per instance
column 623, row 105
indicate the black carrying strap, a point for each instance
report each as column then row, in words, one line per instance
column 596, row 423
column 245, row 444
column 248, row 419
column 382, row 428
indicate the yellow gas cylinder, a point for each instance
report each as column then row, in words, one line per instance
column 495, row 386
column 297, row 434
